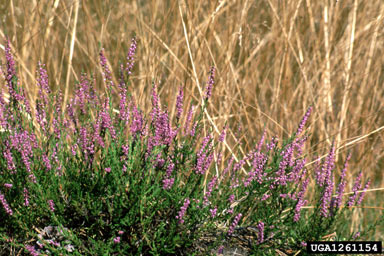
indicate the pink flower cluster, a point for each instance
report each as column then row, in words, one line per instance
column 5, row 204
column 183, row 210
column 234, row 224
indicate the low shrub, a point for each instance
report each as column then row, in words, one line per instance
column 97, row 181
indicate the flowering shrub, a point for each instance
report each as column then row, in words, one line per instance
column 127, row 184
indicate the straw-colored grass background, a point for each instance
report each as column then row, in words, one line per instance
column 273, row 58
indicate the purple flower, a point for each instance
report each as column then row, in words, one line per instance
column 261, row 142
column 57, row 119
column 260, row 233
column 47, row 162
column 341, row 186
column 223, row 133
column 73, row 149
column 356, row 235
column 137, row 123
column 7, row 185
column 106, row 120
column 164, row 134
column 116, row 240
column 286, row 162
column 220, row 250
column 31, row 250
column 234, row 224
column 231, row 198
column 8, row 155
column 208, row 193
column 271, row 145
column 106, row 71
column 71, row 112
column 51, row 205
column 123, row 106
column 257, row 171
column 193, row 130
column 265, row 197
column 96, row 133
column 41, row 105
column 361, row 197
column 179, row 103
column 170, row 168
column 301, row 202
column 26, row 197
column 182, row 211
column 120, row 232
column 5, row 204
column 326, row 197
column 230, row 161
column 327, row 167
column 213, row 212
column 355, row 188
column 11, row 71
column 303, row 121
column 210, row 83
column 108, row 169
column 188, row 120
column 131, row 55
column 219, row 156
column 155, row 102
column 24, row 143
column 167, row 183
column 82, row 93
column 202, row 160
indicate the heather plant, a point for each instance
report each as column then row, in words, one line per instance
column 95, row 181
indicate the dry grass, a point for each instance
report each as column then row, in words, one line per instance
column 273, row 58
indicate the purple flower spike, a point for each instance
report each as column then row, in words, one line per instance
column 223, row 133
column 220, row 250
column 179, row 103
column 260, row 235
column 326, row 198
column 41, row 105
column 234, row 224
column 188, row 120
column 26, row 197
column 131, row 55
column 11, row 70
column 361, row 197
column 116, row 240
column 5, row 205
column 203, row 160
column 31, row 250
column 182, row 211
column 355, row 188
column 303, row 121
column 7, row 185
column 325, row 173
column 211, row 184
column 51, row 205
column 106, row 71
column 341, row 186
column 213, row 212
column 167, row 183
column 301, row 202
column 210, row 83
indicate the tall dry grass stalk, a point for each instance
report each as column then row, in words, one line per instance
column 273, row 58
